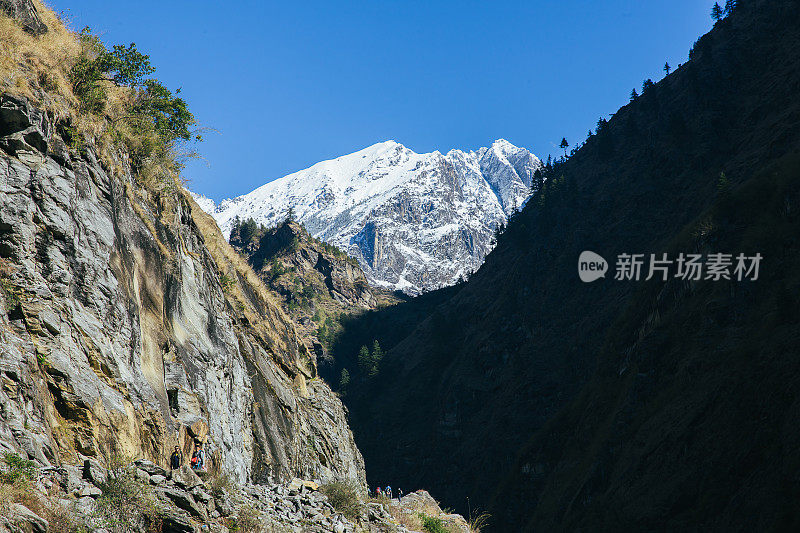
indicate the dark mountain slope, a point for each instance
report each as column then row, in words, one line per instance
column 500, row 387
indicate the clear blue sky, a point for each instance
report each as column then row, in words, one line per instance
column 291, row 83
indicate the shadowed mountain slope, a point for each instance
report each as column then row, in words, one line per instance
column 559, row 405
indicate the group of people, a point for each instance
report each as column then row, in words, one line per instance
column 197, row 462
column 387, row 493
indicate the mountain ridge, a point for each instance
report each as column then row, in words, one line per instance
column 415, row 222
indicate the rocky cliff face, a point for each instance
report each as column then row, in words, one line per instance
column 318, row 285
column 117, row 336
column 415, row 222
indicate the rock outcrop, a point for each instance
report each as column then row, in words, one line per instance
column 116, row 336
column 24, row 11
column 318, row 284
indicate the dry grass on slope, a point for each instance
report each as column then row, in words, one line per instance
column 38, row 68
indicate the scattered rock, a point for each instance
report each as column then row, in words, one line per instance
column 157, row 479
column 27, row 520
column 175, row 523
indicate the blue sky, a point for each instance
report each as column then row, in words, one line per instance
column 287, row 84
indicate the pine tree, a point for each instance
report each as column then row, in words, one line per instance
column 364, row 360
column 634, row 96
column 377, row 356
column 667, row 68
column 564, row 144
column 730, row 5
column 538, row 181
column 647, row 85
column 344, row 381
column 248, row 230
column 290, row 214
column 716, row 12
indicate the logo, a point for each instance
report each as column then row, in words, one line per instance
column 591, row 266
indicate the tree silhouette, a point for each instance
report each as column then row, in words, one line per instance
column 634, row 95
column 647, row 85
column 377, row 353
column 364, row 360
column 344, row 381
column 716, row 12
column 564, row 144
column 290, row 214
column 730, row 5
column 667, row 68
column 248, row 230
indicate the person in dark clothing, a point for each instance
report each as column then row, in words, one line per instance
column 399, row 494
column 176, row 459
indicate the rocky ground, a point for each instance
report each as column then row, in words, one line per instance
column 143, row 496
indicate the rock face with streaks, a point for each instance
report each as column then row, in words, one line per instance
column 116, row 334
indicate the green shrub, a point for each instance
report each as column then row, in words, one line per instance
column 344, row 498
column 152, row 118
column 220, row 483
column 17, row 469
column 127, row 504
column 226, row 282
column 432, row 524
column 247, row 520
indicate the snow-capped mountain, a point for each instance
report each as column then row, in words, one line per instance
column 415, row 222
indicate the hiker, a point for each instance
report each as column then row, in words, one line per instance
column 389, row 491
column 198, row 457
column 378, row 492
column 176, row 459
column 399, row 494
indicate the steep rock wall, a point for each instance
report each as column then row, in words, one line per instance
column 116, row 335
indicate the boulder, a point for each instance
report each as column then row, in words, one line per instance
column 24, row 12
column 27, row 520
column 71, row 477
column 141, row 475
column 175, row 523
column 90, row 492
column 94, row 472
column 150, row 467
column 157, row 479
column 185, row 501
column 185, row 478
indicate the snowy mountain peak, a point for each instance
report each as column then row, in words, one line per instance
column 415, row 222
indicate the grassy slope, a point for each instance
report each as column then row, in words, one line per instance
column 484, row 374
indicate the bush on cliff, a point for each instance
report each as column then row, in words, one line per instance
column 344, row 498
